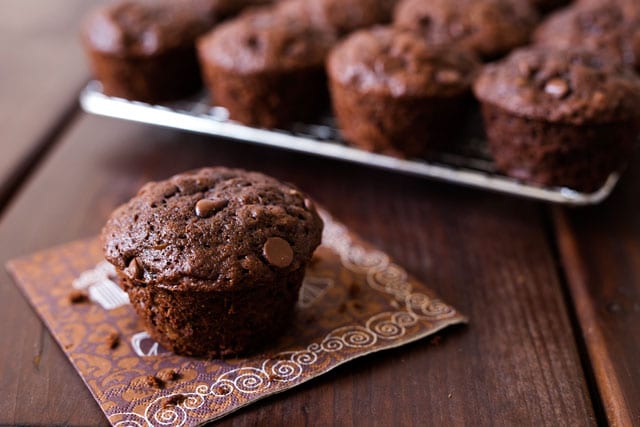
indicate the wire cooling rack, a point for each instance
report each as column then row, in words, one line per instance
column 467, row 162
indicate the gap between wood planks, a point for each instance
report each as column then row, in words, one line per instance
column 44, row 146
column 553, row 217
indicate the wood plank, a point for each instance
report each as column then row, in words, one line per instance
column 41, row 71
column 600, row 248
column 516, row 363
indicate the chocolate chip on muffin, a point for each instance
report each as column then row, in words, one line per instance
column 218, row 284
column 562, row 118
column 395, row 93
column 267, row 67
column 145, row 49
column 491, row 28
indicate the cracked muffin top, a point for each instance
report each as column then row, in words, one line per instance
column 566, row 86
column 212, row 229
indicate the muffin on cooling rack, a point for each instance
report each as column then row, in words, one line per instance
column 267, row 67
column 561, row 118
column 394, row 93
column 145, row 49
column 490, row 28
column 213, row 259
column 346, row 16
column 607, row 28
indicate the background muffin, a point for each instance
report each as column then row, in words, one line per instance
column 346, row 16
column 395, row 93
column 491, row 28
column 559, row 117
column 213, row 259
column 145, row 49
column 267, row 67
column 605, row 28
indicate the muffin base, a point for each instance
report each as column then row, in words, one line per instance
column 269, row 99
column 580, row 157
column 400, row 127
column 164, row 77
column 215, row 324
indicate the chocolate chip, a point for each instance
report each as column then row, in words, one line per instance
column 174, row 400
column 133, row 270
column 205, row 207
column 278, row 252
column 168, row 374
column 557, row 88
column 148, row 381
column 448, row 76
column 78, row 297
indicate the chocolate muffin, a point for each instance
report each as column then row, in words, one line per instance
column 394, row 93
column 267, row 67
column 560, row 118
column 606, row 28
column 345, row 16
column 213, row 259
column 145, row 49
column 491, row 28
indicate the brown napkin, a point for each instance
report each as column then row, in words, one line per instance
column 354, row 301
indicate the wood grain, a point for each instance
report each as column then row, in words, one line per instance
column 515, row 364
column 600, row 248
column 41, row 70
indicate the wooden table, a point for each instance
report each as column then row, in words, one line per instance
column 553, row 294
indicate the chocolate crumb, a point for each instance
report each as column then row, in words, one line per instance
column 357, row 305
column 174, row 400
column 113, row 340
column 148, row 381
column 436, row 340
column 78, row 297
column 167, row 375
column 354, row 290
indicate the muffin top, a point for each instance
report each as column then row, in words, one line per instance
column 600, row 27
column 490, row 28
column 267, row 40
column 565, row 86
column 222, row 9
column 213, row 229
column 345, row 16
column 400, row 63
column 144, row 27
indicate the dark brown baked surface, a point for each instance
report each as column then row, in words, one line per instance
column 580, row 157
column 491, row 28
column 267, row 67
column 400, row 63
column 561, row 86
column 169, row 236
column 142, row 28
column 607, row 28
column 345, row 16
column 144, row 49
column 396, row 94
column 266, row 40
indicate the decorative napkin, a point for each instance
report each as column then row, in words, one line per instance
column 354, row 301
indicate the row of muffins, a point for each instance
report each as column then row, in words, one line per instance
column 401, row 90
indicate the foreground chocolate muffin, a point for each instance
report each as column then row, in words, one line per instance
column 565, row 118
column 491, row 28
column 394, row 93
column 213, row 259
column 145, row 49
column 608, row 28
column 267, row 67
